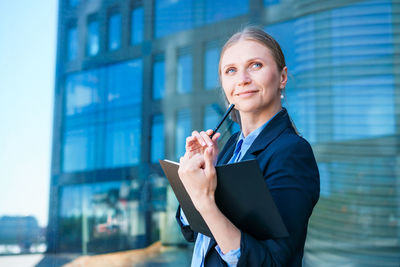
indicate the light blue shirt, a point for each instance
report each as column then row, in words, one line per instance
column 202, row 241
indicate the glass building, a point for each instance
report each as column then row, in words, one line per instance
column 134, row 78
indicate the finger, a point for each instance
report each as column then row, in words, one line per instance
column 189, row 140
column 209, row 168
column 207, row 139
column 209, row 132
column 215, row 137
column 191, row 143
column 199, row 138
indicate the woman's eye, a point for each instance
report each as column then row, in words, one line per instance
column 230, row 70
column 257, row 65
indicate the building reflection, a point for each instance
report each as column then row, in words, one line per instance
column 134, row 78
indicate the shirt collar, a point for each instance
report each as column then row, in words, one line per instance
column 248, row 140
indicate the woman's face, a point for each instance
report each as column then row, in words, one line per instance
column 250, row 77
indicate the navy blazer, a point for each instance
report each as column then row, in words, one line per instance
column 291, row 174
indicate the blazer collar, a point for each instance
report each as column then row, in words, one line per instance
column 273, row 129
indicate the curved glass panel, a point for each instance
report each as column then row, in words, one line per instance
column 342, row 97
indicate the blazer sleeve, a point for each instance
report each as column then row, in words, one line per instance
column 187, row 232
column 292, row 177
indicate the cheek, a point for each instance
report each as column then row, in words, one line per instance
column 227, row 87
column 269, row 80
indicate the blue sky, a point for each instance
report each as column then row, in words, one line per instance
column 27, row 61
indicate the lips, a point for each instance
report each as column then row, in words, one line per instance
column 246, row 92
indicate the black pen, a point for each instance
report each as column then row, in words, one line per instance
column 223, row 119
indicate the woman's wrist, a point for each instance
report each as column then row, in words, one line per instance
column 207, row 205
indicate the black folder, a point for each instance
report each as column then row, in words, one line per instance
column 241, row 195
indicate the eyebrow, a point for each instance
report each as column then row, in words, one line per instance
column 251, row 59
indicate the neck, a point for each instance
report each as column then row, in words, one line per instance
column 252, row 120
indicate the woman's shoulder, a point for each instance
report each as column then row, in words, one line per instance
column 290, row 141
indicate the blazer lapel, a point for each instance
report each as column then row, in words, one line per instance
column 273, row 129
column 226, row 154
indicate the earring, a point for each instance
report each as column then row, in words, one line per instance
column 282, row 97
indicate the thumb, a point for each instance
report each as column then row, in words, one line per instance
column 209, row 168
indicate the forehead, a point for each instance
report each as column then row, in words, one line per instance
column 245, row 50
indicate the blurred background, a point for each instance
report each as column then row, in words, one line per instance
column 94, row 92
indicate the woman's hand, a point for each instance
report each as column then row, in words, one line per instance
column 198, row 175
column 197, row 143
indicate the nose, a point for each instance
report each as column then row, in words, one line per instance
column 243, row 78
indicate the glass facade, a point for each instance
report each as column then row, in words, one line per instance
column 113, row 119
column 137, row 25
column 101, row 217
column 103, row 108
column 184, row 74
column 342, row 99
column 114, row 32
column 158, row 78
column 211, row 60
column 93, row 41
column 224, row 9
column 271, row 2
column 73, row 3
column 212, row 115
column 180, row 15
column 157, row 138
column 172, row 16
column 72, row 40
column 183, row 130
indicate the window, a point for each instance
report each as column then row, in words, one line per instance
column 114, row 32
column 184, row 73
column 172, row 16
column 180, row 15
column 271, row 2
column 183, row 130
column 72, row 43
column 98, row 217
column 124, row 83
column 137, row 25
column 211, row 59
column 224, row 9
column 157, row 138
column 103, row 113
column 123, row 142
column 79, row 149
column 298, row 47
column 212, row 115
column 158, row 78
column 93, row 41
column 83, row 93
column 73, row 3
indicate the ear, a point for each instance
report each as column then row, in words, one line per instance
column 283, row 78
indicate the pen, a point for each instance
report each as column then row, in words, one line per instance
column 231, row 106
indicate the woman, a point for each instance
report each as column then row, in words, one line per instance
column 253, row 75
